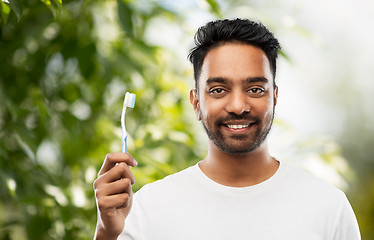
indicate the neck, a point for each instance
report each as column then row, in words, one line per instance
column 239, row 170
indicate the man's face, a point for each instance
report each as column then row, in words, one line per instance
column 236, row 97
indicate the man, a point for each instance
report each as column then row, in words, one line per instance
column 239, row 191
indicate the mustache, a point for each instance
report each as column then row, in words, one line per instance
column 246, row 116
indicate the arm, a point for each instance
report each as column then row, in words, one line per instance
column 347, row 227
column 113, row 194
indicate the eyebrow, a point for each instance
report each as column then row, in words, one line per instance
column 217, row 80
column 256, row 79
column 226, row 81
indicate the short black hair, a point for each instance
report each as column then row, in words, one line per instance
column 220, row 32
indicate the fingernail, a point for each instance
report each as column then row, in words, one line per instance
column 135, row 163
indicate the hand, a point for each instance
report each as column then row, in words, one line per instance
column 113, row 194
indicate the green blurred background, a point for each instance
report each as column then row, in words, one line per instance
column 65, row 66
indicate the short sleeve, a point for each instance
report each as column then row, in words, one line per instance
column 134, row 223
column 347, row 226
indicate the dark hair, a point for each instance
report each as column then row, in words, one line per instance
column 219, row 32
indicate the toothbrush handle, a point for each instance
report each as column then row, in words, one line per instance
column 124, row 142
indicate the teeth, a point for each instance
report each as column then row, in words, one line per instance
column 237, row 126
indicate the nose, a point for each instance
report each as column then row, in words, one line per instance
column 238, row 103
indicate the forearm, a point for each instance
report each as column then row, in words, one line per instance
column 101, row 234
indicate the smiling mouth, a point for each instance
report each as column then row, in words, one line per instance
column 239, row 126
column 231, row 126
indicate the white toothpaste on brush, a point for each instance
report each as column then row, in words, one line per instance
column 128, row 102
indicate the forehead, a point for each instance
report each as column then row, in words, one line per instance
column 235, row 62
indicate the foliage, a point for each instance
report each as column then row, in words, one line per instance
column 63, row 77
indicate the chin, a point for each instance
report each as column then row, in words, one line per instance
column 239, row 150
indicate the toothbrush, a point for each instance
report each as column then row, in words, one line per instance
column 128, row 102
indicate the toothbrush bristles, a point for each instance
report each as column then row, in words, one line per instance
column 129, row 100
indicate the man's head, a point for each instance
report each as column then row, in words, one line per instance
column 220, row 32
column 235, row 91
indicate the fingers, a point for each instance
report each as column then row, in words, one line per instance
column 120, row 186
column 119, row 171
column 114, row 181
column 113, row 189
column 115, row 176
column 113, row 192
column 112, row 159
column 114, row 195
column 117, row 201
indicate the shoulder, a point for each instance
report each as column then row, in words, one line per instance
column 307, row 184
column 168, row 184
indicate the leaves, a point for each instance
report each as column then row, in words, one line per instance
column 125, row 17
column 62, row 86
column 4, row 12
column 215, row 7
column 16, row 6
column 285, row 55
column 54, row 5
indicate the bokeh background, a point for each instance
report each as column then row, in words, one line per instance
column 65, row 66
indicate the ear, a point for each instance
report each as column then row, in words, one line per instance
column 275, row 95
column 194, row 99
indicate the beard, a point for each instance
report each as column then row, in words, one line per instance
column 238, row 144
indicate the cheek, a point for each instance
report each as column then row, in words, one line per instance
column 268, row 115
column 265, row 107
column 211, row 109
column 269, row 111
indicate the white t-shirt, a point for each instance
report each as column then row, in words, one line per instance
column 291, row 205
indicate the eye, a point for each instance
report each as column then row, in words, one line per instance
column 256, row 91
column 217, row 91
